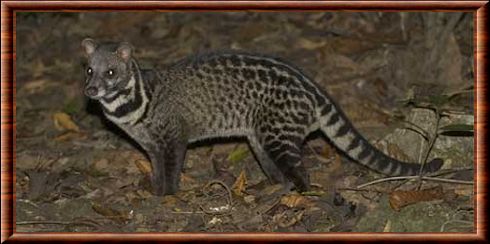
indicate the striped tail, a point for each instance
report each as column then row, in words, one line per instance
column 345, row 137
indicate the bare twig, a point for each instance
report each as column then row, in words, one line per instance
column 41, row 222
column 229, row 198
column 418, row 132
column 450, row 171
column 360, row 190
column 408, row 178
column 417, row 129
column 413, row 177
column 187, row 212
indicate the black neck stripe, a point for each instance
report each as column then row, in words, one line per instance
column 124, row 92
column 132, row 104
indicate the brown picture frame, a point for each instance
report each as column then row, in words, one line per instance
column 8, row 123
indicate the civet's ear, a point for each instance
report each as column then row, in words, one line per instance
column 89, row 45
column 124, row 51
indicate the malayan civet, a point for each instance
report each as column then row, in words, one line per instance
column 227, row 94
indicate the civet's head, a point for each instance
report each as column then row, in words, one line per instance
column 108, row 68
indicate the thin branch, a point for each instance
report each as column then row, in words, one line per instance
column 450, row 171
column 229, row 198
column 417, row 129
column 188, row 212
column 412, row 177
column 360, row 190
column 58, row 223
column 431, row 142
column 418, row 132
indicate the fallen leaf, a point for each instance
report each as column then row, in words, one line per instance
column 111, row 213
column 238, row 154
column 63, row 121
column 143, row 165
column 400, row 199
column 70, row 135
column 295, row 200
column 309, row 44
column 240, row 184
column 387, row 227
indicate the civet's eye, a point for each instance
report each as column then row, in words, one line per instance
column 111, row 72
column 89, row 71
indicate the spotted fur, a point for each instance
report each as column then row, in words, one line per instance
column 266, row 100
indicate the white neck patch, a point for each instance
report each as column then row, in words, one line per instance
column 134, row 115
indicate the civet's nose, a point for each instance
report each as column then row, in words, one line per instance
column 91, row 91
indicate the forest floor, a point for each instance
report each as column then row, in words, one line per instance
column 402, row 79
